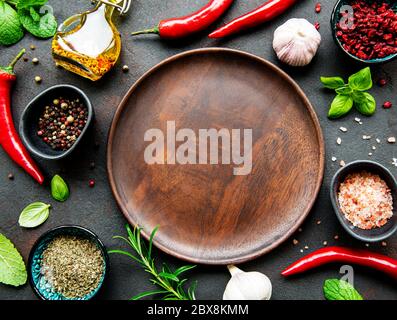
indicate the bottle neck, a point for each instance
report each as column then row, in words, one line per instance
column 121, row 5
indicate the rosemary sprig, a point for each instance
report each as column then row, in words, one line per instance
column 171, row 286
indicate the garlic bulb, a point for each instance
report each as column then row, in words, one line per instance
column 296, row 42
column 247, row 286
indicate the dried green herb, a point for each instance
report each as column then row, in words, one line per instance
column 73, row 266
column 170, row 282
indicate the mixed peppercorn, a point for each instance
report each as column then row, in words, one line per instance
column 62, row 123
column 370, row 31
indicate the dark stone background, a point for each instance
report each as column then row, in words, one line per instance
column 96, row 208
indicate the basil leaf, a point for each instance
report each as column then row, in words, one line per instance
column 10, row 27
column 26, row 4
column 59, row 189
column 12, row 268
column 361, row 80
column 45, row 27
column 332, row 82
column 340, row 106
column 335, row 289
column 365, row 103
column 346, row 90
column 34, row 215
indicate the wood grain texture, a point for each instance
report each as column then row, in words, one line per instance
column 205, row 213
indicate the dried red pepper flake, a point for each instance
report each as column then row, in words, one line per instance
column 370, row 31
column 317, row 8
column 317, row 25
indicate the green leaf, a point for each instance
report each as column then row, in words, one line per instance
column 169, row 276
column 335, row 289
column 151, row 241
column 126, row 254
column 34, row 215
column 59, row 189
column 45, row 27
column 192, row 291
column 332, row 82
column 183, row 269
column 13, row 2
column 12, row 268
column 365, row 103
column 35, row 16
column 26, row 4
column 341, row 105
column 170, row 286
column 345, row 90
column 148, row 293
column 10, row 27
column 362, row 80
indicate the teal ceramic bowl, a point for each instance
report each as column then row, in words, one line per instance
column 335, row 17
column 39, row 283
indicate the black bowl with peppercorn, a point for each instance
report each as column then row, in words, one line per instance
column 54, row 122
column 366, row 30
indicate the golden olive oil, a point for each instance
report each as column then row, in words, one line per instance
column 88, row 44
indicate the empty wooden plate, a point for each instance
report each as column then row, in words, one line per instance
column 205, row 213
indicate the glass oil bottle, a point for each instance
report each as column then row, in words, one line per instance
column 89, row 44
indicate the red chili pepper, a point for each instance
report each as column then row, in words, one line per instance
column 343, row 255
column 184, row 26
column 9, row 138
column 265, row 12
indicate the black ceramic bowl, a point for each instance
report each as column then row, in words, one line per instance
column 334, row 20
column 29, row 121
column 377, row 234
column 41, row 287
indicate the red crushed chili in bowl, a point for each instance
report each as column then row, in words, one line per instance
column 365, row 200
column 370, row 32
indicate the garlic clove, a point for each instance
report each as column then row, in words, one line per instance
column 247, row 286
column 296, row 42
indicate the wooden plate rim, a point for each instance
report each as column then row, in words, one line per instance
column 313, row 115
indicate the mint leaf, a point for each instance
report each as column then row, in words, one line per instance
column 34, row 215
column 26, row 4
column 35, row 16
column 332, row 82
column 335, row 289
column 361, row 80
column 365, row 103
column 59, row 189
column 340, row 106
column 12, row 268
column 13, row 2
column 45, row 27
column 10, row 28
